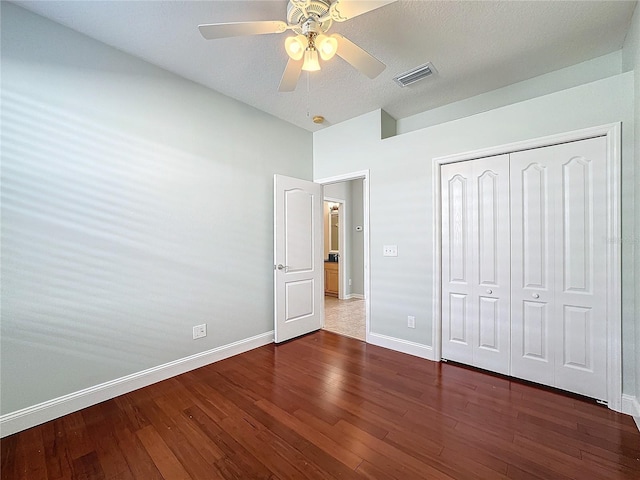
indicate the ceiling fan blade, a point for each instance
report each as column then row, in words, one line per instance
column 342, row 10
column 290, row 76
column 237, row 29
column 356, row 56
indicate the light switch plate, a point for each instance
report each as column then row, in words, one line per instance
column 390, row 251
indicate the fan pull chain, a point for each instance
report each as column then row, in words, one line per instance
column 308, row 93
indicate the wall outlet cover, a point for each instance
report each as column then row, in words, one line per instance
column 390, row 251
column 200, row 331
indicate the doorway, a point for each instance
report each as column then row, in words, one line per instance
column 346, row 240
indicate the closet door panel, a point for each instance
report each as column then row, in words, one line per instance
column 457, row 309
column 580, row 273
column 532, row 246
column 535, row 320
column 491, row 263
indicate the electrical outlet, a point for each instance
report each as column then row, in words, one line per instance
column 350, row 282
column 390, row 251
column 200, row 331
column 411, row 321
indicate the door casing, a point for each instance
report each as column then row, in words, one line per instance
column 364, row 176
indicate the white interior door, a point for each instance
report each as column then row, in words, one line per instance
column 476, row 263
column 559, row 266
column 298, row 257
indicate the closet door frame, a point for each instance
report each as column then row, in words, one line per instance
column 612, row 132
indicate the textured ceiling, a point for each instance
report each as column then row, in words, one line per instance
column 475, row 46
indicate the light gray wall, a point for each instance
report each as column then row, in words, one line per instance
column 357, row 238
column 135, row 205
column 401, row 193
column 631, row 62
column 589, row 71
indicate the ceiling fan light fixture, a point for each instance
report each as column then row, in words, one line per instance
column 295, row 46
column 311, row 63
column 327, row 46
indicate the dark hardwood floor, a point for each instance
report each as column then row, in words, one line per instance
column 325, row 406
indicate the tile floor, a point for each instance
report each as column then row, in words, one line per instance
column 346, row 317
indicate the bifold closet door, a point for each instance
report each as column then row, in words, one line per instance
column 476, row 263
column 558, row 230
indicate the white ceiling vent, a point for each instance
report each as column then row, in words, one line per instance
column 415, row 74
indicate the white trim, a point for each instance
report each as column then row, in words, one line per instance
column 631, row 406
column 400, row 345
column 354, row 295
column 614, row 279
column 364, row 175
column 19, row 420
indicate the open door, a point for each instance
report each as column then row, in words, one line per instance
column 298, row 257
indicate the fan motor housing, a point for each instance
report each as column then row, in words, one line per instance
column 315, row 8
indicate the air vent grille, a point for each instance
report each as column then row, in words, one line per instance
column 414, row 75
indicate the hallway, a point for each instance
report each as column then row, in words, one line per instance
column 345, row 317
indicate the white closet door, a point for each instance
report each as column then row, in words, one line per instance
column 580, row 267
column 532, row 236
column 476, row 263
column 558, row 202
column 491, row 263
column 458, row 309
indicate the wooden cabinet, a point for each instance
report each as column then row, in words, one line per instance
column 331, row 278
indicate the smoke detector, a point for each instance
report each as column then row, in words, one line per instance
column 414, row 75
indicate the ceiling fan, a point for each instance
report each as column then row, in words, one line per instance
column 310, row 20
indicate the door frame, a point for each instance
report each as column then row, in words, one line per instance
column 342, row 243
column 613, row 255
column 364, row 176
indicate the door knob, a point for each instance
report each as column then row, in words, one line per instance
column 282, row 267
column 489, row 291
column 535, row 295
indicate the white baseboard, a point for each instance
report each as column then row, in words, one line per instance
column 631, row 406
column 354, row 295
column 43, row 412
column 399, row 345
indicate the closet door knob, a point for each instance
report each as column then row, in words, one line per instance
column 489, row 291
column 535, row 295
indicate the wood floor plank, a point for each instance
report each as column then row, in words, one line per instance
column 29, row 461
column 237, row 461
column 314, row 436
column 330, row 407
column 162, row 456
column 141, row 465
column 87, row 467
column 56, row 452
column 393, row 461
column 8, row 452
